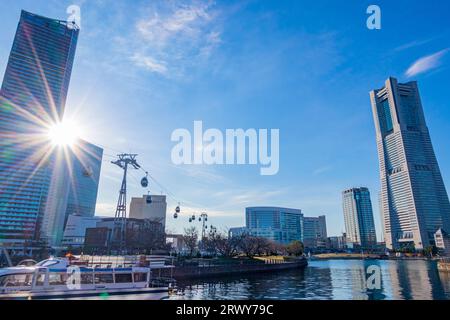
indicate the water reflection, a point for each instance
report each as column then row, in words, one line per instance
column 332, row 279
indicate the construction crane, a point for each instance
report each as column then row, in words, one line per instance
column 120, row 221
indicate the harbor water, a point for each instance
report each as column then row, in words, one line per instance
column 329, row 279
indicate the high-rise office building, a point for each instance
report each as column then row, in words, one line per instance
column 358, row 216
column 32, row 98
column 281, row 225
column 51, row 222
column 150, row 207
column 85, row 164
column 73, row 189
column 414, row 202
column 314, row 231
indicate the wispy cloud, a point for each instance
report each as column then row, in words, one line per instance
column 426, row 63
column 321, row 170
column 173, row 36
column 105, row 209
column 149, row 63
column 413, row 44
column 186, row 20
column 205, row 174
column 242, row 197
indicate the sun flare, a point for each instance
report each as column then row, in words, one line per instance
column 64, row 133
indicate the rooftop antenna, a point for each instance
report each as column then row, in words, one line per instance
column 120, row 221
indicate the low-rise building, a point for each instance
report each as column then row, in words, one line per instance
column 238, row 231
column 97, row 239
column 149, row 207
column 140, row 234
column 337, row 242
column 442, row 240
column 75, row 231
column 281, row 225
column 176, row 242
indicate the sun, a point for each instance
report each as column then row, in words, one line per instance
column 64, row 133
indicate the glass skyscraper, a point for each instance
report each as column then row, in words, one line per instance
column 314, row 231
column 358, row 216
column 86, row 162
column 413, row 200
column 277, row 224
column 32, row 98
column 74, row 188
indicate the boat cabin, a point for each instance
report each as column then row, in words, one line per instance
column 57, row 275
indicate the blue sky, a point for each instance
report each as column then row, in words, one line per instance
column 146, row 68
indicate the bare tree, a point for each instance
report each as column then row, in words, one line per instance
column 248, row 245
column 262, row 246
column 190, row 238
column 295, row 248
column 221, row 244
column 229, row 247
column 209, row 243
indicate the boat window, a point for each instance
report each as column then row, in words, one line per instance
column 123, row 278
column 57, row 279
column 47, row 263
column 16, row 280
column 103, row 278
column 87, row 278
column 140, row 277
column 40, row 279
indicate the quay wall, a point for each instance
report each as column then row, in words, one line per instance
column 220, row 270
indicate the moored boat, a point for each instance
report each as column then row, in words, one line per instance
column 63, row 278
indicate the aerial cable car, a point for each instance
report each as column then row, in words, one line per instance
column 177, row 211
column 144, row 181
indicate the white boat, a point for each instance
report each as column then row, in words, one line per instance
column 60, row 279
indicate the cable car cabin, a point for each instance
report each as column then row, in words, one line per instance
column 144, row 182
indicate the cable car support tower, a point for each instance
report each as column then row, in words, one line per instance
column 120, row 221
